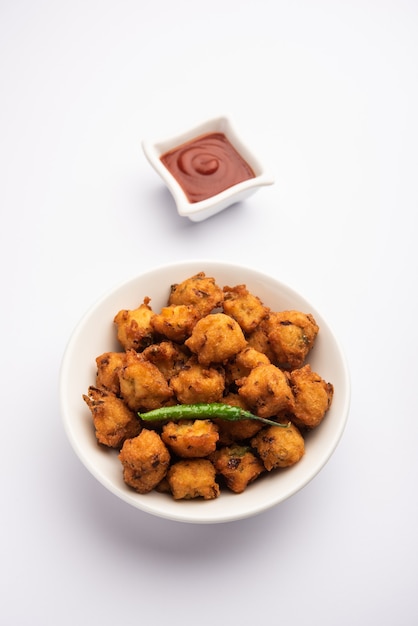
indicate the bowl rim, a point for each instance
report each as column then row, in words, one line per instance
column 153, row 149
column 178, row 512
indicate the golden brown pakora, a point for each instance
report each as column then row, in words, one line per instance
column 193, row 478
column 134, row 327
column 291, row 336
column 200, row 291
column 108, row 367
column 313, row 397
column 145, row 460
column 242, row 363
column 236, row 431
column 238, row 466
column 142, row 385
column 216, row 338
column 169, row 357
column 259, row 340
column 208, row 344
column 113, row 421
column 176, row 322
column 279, row 447
column 266, row 391
column 246, row 308
column 190, row 438
column 198, row 383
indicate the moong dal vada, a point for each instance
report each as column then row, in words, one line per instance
column 207, row 345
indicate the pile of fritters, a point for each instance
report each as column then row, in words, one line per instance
column 208, row 344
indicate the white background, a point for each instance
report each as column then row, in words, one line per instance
column 326, row 93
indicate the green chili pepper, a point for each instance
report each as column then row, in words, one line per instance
column 203, row 410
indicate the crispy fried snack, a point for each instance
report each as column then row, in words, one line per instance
column 193, row 478
column 238, row 465
column 142, row 385
column 242, row 363
column 112, row 419
column 167, row 356
column 232, row 432
column 216, row 338
column 291, row 336
column 207, row 345
column 197, row 383
column 200, row 291
column 190, row 439
column 279, row 447
column 134, row 328
column 259, row 340
column 266, row 391
column 145, row 461
column 244, row 307
column 313, row 397
column 176, row 321
column 108, row 367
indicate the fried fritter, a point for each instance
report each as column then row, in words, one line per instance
column 240, row 430
column 242, row 363
column 108, row 367
column 291, row 336
column 145, row 461
column 216, row 338
column 193, row 478
column 142, row 385
column 244, row 307
column 176, row 321
column 238, row 465
column 113, row 420
column 197, row 383
column 207, row 345
column 200, row 291
column 134, row 328
column 279, row 447
column 167, row 356
column 313, row 396
column 259, row 340
column 266, row 390
column 190, row 439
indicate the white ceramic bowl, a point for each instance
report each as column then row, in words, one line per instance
column 198, row 211
column 96, row 334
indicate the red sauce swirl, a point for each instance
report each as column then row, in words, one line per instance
column 206, row 165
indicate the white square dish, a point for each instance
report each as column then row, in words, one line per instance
column 201, row 209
